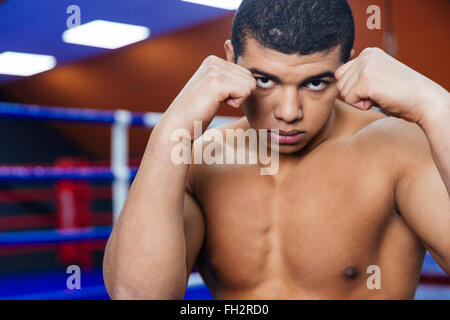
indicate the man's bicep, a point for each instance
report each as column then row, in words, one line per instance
column 194, row 231
column 424, row 204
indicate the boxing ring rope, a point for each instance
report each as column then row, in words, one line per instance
column 120, row 120
column 54, row 236
column 119, row 171
column 8, row 173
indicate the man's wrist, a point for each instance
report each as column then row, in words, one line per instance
column 437, row 110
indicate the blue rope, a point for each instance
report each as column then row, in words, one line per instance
column 55, row 173
column 54, row 236
column 65, row 114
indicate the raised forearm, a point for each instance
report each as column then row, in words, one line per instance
column 146, row 253
column 145, row 257
column 436, row 125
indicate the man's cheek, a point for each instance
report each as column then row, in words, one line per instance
column 317, row 113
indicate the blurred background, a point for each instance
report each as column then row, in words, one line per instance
column 140, row 68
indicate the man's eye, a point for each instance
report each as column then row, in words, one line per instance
column 264, row 82
column 317, row 85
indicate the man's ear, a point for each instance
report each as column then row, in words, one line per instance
column 352, row 53
column 229, row 51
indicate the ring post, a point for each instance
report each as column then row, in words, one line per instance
column 73, row 211
column 119, row 160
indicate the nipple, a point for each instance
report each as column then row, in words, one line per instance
column 350, row 272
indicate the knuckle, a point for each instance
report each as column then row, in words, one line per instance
column 211, row 60
column 214, row 78
column 365, row 73
column 367, row 51
column 369, row 91
column 378, row 50
column 369, row 55
column 217, row 82
column 365, row 60
column 211, row 68
column 247, row 72
column 240, row 69
column 348, row 99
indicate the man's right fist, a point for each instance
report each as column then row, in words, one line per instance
column 215, row 81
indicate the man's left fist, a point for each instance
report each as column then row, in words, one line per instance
column 377, row 79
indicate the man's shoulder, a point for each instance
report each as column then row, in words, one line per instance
column 214, row 137
column 393, row 137
column 391, row 130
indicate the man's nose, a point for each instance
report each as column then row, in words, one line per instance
column 289, row 108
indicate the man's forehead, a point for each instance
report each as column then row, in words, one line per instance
column 255, row 55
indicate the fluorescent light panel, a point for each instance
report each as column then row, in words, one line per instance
column 105, row 34
column 25, row 64
column 222, row 4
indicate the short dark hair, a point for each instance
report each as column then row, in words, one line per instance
column 295, row 26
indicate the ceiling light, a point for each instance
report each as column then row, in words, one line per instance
column 105, row 34
column 25, row 64
column 228, row 4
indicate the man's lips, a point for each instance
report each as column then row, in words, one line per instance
column 287, row 137
column 289, row 133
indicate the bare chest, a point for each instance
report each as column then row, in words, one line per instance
column 304, row 226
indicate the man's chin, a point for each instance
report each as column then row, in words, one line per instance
column 287, row 149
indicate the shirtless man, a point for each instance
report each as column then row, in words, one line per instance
column 354, row 189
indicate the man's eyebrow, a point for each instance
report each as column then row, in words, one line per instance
column 327, row 74
column 265, row 74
